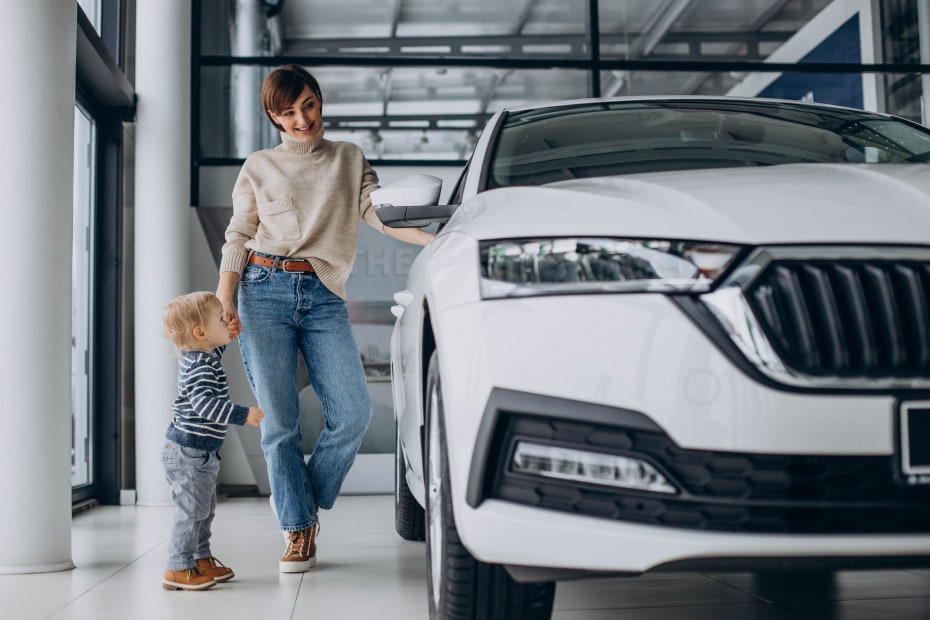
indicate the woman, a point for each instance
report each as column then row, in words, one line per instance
column 289, row 246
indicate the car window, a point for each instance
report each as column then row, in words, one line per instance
column 602, row 139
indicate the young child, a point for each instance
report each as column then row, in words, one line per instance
column 202, row 411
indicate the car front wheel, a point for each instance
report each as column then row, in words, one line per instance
column 408, row 514
column 461, row 587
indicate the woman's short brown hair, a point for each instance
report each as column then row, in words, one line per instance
column 184, row 313
column 283, row 86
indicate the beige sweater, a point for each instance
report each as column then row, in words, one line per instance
column 302, row 200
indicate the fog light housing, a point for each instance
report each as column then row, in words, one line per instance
column 590, row 467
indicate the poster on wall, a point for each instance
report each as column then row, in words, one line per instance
column 845, row 89
column 844, row 32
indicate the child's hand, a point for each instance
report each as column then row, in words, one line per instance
column 231, row 317
column 255, row 416
column 233, row 325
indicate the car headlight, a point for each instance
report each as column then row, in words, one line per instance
column 523, row 267
column 626, row 472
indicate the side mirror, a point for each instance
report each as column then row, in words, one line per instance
column 411, row 202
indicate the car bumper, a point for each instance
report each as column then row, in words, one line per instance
column 640, row 355
column 542, row 545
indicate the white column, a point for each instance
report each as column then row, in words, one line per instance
column 246, row 81
column 37, row 41
column 162, row 221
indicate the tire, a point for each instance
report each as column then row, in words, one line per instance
column 409, row 516
column 459, row 586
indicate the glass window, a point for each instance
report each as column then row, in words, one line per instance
column 91, row 9
column 905, row 94
column 476, row 28
column 391, row 113
column 675, row 30
column 81, row 298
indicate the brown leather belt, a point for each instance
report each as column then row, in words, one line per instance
column 284, row 264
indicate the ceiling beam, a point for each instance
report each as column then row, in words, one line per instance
column 576, row 44
column 420, row 122
column 406, row 46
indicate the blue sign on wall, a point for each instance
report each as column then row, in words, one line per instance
column 844, row 89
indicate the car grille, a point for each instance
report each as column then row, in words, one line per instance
column 720, row 491
column 847, row 317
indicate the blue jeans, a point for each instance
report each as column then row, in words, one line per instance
column 191, row 474
column 283, row 314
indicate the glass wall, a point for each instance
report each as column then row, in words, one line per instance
column 92, row 9
column 380, row 109
column 417, row 80
column 687, row 31
column 82, row 287
column 905, row 43
column 103, row 103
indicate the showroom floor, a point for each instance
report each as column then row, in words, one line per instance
column 366, row 571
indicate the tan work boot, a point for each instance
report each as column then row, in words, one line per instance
column 300, row 555
column 187, row 579
column 216, row 569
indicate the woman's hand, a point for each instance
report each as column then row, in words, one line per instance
column 410, row 235
column 224, row 292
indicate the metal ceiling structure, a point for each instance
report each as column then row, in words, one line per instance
column 415, row 80
column 527, row 31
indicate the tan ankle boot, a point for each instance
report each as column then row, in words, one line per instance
column 187, row 579
column 216, row 569
column 300, row 555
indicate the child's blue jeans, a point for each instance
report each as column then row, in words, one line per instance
column 191, row 474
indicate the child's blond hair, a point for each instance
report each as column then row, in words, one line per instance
column 184, row 313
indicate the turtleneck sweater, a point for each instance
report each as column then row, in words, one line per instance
column 302, row 199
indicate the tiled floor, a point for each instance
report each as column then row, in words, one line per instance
column 367, row 572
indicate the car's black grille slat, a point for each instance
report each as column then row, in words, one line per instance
column 848, row 317
column 794, row 306
column 765, row 303
column 887, row 325
column 915, row 315
column 720, row 491
column 855, row 315
column 825, row 316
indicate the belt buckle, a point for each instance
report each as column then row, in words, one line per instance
column 284, row 263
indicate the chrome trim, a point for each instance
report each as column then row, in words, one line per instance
column 730, row 307
column 753, row 265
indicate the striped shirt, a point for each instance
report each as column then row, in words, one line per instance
column 202, row 410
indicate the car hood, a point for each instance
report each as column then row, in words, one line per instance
column 794, row 203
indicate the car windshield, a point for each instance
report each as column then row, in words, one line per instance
column 536, row 147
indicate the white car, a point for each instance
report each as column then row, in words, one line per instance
column 678, row 333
